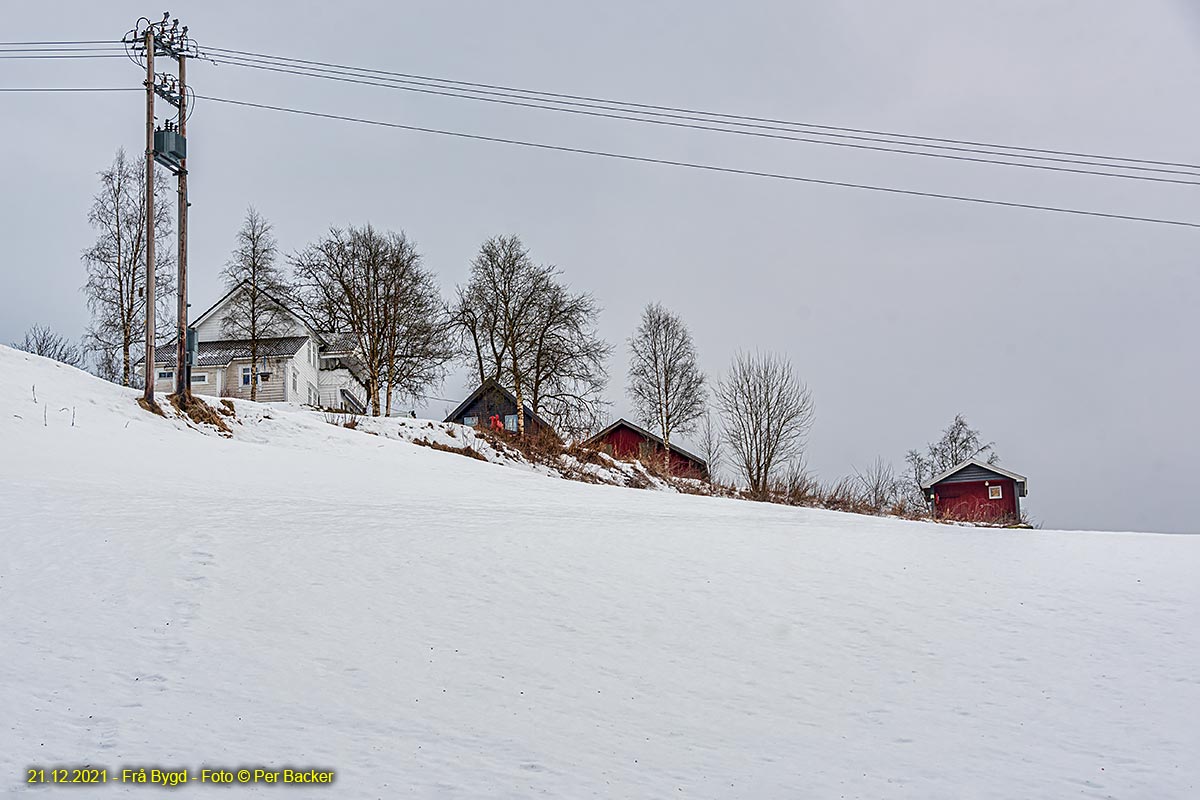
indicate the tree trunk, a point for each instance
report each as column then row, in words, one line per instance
column 253, row 370
column 125, row 368
column 520, row 412
column 373, row 388
column 667, row 451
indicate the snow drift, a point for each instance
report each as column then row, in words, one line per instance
column 303, row 595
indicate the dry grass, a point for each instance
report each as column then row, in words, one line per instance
column 198, row 411
column 150, row 406
column 462, row 450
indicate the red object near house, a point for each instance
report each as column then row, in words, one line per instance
column 976, row 492
column 623, row 439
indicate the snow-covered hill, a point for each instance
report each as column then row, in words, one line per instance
column 431, row 625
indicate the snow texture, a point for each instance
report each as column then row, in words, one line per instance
column 431, row 625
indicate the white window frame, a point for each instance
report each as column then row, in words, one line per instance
column 246, row 373
column 515, row 422
column 470, row 422
column 199, row 377
column 166, row 374
column 996, row 492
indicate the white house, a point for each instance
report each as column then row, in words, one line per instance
column 300, row 365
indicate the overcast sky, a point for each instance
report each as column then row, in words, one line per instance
column 1071, row 342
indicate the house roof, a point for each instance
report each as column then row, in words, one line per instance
column 1020, row 479
column 338, row 343
column 624, row 423
column 491, row 384
column 221, row 353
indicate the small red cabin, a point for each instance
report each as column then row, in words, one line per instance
column 623, row 439
column 975, row 491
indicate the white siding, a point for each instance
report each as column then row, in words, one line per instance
column 212, row 330
column 274, row 390
column 307, row 374
column 210, row 386
column 331, row 383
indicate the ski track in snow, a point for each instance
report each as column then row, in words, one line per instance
column 429, row 625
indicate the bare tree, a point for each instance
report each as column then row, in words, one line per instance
column 521, row 327
column 878, row 484
column 419, row 340
column 254, row 313
column 767, row 413
column 116, row 263
column 372, row 285
column 712, row 446
column 42, row 341
column 959, row 442
column 566, row 374
column 665, row 383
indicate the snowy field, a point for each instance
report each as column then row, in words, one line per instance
column 429, row 625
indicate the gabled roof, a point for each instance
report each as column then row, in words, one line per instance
column 624, row 423
column 493, row 385
column 241, row 284
column 1020, row 479
column 220, row 353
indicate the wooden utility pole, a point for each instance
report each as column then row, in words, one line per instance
column 148, row 394
column 183, row 370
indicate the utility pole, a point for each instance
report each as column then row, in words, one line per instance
column 183, row 370
column 167, row 146
column 148, row 361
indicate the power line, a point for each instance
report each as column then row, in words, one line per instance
column 705, row 167
column 77, row 41
column 652, row 109
column 70, row 89
column 777, row 136
column 734, row 118
column 59, row 56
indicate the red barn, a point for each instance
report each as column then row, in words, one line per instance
column 976, row 492
column 623, row 439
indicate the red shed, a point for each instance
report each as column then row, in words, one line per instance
column 623, row 439
column 976, row 491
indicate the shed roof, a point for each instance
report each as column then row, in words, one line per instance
column 983, row 465
column 624, row 423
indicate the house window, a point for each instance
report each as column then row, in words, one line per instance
column 510, row 422
column 200, row 377
column 295, row 383
column 162, row 376
column 245, row 376
column 470, row 422
column 995, row 492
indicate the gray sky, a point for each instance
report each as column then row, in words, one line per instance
column 1069, row 341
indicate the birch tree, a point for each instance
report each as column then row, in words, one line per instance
column 116, row 264
column 523, row 328
column 665, row 383
column 959, row 442
column 373, row 286
column 766, row 415
column 253, row 314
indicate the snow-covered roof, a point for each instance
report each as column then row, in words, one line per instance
column 974, row 462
